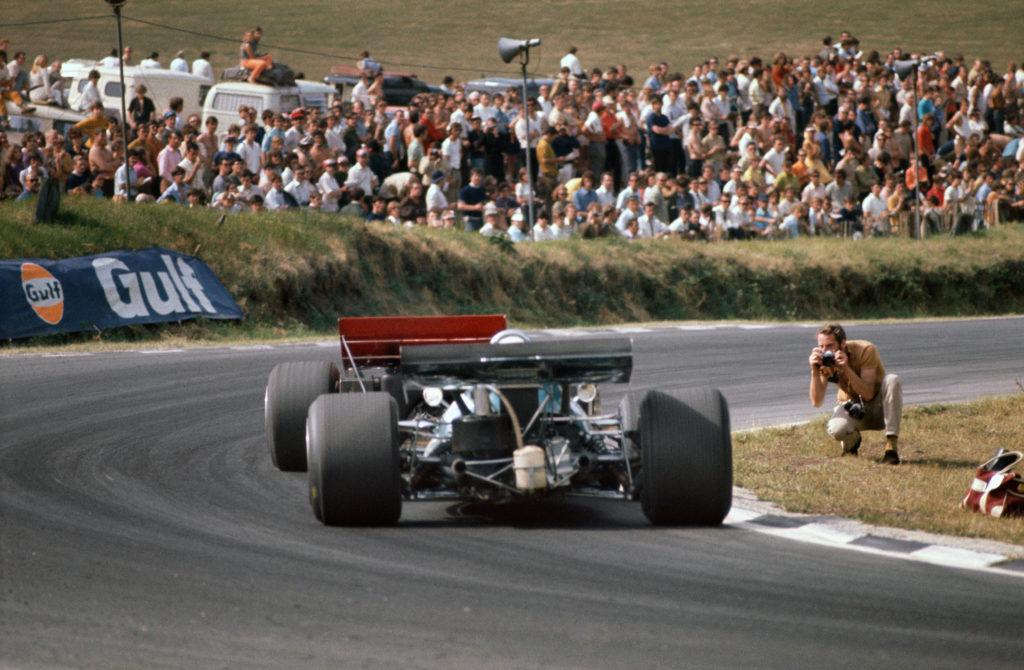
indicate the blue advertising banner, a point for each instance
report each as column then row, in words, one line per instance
column 42, row 297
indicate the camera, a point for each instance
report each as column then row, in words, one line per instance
column 828, row 359
column 854, row 409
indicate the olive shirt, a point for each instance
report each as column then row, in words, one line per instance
column 861, row 355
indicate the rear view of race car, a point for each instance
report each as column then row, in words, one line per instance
column 427, row 408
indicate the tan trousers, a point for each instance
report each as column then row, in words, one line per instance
column 884, row 411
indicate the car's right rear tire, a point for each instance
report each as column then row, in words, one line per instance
column 354, row 471
column 291, row 389
column 686, row 452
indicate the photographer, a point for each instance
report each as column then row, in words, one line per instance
column 867, row 398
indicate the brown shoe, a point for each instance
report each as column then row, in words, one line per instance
column 890, row 457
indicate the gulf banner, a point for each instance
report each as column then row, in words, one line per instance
column 42, row 297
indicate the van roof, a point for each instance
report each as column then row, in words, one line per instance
column 246, row 87
column 77, row 68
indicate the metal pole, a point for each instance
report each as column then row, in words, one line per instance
column 124, row 106
column 526, row 115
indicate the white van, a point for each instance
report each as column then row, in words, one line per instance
column 46, row 117
column 226, row 97
column 161, row 85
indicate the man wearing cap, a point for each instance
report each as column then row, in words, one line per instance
column 330, row 190
column 491, row 227
column 435, row 199
column 517, row 230
column 295, row 133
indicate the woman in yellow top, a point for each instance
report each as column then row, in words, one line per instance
column 812, row 157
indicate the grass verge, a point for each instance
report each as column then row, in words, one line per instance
column 800, row 469
column 294, row 273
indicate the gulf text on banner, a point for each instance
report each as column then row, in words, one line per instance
column 42, row 297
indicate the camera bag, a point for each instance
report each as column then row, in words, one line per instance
column 997, row 490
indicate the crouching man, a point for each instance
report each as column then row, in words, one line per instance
column 866, row 398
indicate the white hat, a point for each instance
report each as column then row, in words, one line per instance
column 518, row 215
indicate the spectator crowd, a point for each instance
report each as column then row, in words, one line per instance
column 832, row 143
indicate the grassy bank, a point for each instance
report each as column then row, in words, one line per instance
column 298, row 270
column 800, row 469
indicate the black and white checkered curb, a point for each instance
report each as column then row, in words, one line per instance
column 752, row 514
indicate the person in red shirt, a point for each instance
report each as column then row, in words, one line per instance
column 925, row 137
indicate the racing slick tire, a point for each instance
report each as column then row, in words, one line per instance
column 354, row 477
column 291, row 389
column 686, row 452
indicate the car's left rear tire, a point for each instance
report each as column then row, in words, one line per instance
column 354, row 471
column 291, row 389
column 686, row 452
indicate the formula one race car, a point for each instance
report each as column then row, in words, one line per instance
column 460, row 407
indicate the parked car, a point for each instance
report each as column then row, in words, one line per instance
column 399, row 87
column 462, row 408
column 501, row 85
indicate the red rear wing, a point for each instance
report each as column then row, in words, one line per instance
column 375, row 341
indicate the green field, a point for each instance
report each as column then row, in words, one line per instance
column 459, row 37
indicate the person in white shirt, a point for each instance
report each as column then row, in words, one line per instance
column 606, row 191
column 571, row 61
column 250, row 151
column 153, row 61
column 774, row 160
column 90, row 94
column 649, row 226
column 330, row 189
column 630, row 191
column 179, row 64
column 361, row 176
column 435, row 198
column 484, row 109
column 874, row 207
column 300, row 187
column 110, row 61
column 201, row 66
column 542, row 231
column 275, row 196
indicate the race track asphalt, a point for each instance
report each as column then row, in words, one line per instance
column 143, row 525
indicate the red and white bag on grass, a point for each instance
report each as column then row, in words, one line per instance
column 997, row 490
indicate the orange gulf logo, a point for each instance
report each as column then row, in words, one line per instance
column 43, row 292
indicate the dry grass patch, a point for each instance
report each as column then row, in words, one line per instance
column 800, row 468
